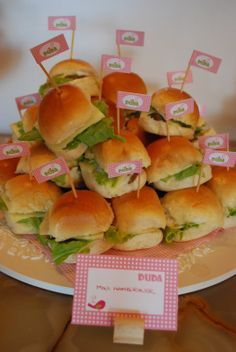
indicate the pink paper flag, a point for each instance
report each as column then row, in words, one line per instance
column 205, row 61
column 218, row 141
column 50, row 170
column 62, row 23
column 219, row 158
column 129, row 37
column 116, row 63
column 49, row 48
column 179, row 108
column 177, row 77
column 14, row 150
column 26, row 101
column 124, row 168
column 133, row 101
column 108, row 286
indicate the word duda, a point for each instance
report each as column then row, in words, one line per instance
column 149, row 277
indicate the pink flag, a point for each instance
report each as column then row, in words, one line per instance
column 133, row 101
column 218, row 141
column 26, row 101
column 62, row 23
column 129, row 37
column 124, row 168
column 205, row 61
column 49, row 48
column 116, row 63
column 219, row 158
column 14, row 150
column 179, row 108
column 50, row 170
column 177, row 77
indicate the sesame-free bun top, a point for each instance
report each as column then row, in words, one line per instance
column 138, row 214
column 30, row 118
column 170, row 157
column 71, row 67
column 39, row 155
column 189, row 206
column 223, row 184
column 113, row 151
column 62, row 113
column 23, row 195
column 71, row 217
column 121, row 81
column 7, row 169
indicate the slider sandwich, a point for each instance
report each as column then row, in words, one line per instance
column 154, row 120
column 190, row 214
column 7, row 170
column 94, row 165
column 139, row 222
column 39, row 155
column 175, row 164
column 76, row 225
column 27, row 129
column 76, row 72
column 69, row 123
column 25, row 203
column 223, row 184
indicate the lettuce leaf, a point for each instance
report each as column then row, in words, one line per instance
column 97, row 133
column 32, row 135
column 171, row 233
column 114, row 236
column 60, row 180
column 3, row 205
column 100, row 175
column 58, row 79
column 62, row 250
column 181, row 123
column 33, row 222
column 188, row 172
column 102, row 106
column 231, row 212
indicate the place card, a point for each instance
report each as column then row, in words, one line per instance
column 121, row 286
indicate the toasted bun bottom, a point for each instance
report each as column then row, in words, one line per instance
column 96, row 247
column 160, row 128
column 108, row 191
column 187, row 182
column 145, row 240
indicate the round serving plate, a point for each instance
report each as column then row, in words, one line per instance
column 200, row 268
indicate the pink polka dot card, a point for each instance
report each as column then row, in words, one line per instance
column 108, row 286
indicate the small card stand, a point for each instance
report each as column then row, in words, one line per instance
column 128, row 330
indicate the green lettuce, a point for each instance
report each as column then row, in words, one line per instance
column 32, row 221
column 181, row 123
column 188, row 172
column 62, row 250
column 100, row 175
column 231, row 212
column 32, row 135
column 177, row 233
column 3, row 205
column 97, row 133
column 59, row 80
column 199, row 131
column 60, row 180
column 114, row 236
column 102, row 106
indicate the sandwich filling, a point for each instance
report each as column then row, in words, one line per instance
column 177, row 233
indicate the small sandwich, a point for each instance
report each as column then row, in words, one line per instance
column 154, row 120
column 26, row 203
column 78, row 73
column 95, row 163
column 26, row 129
column 69, row 123
column 126, row 82
column 175, row 164
column 191, row 214
column 7, row 171
column 223, row 184
column 39, row 155
column 139, row 221
column 77, row 225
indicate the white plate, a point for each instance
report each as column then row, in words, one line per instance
column 202, row 267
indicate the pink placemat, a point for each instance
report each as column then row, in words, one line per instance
column 161, row 251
